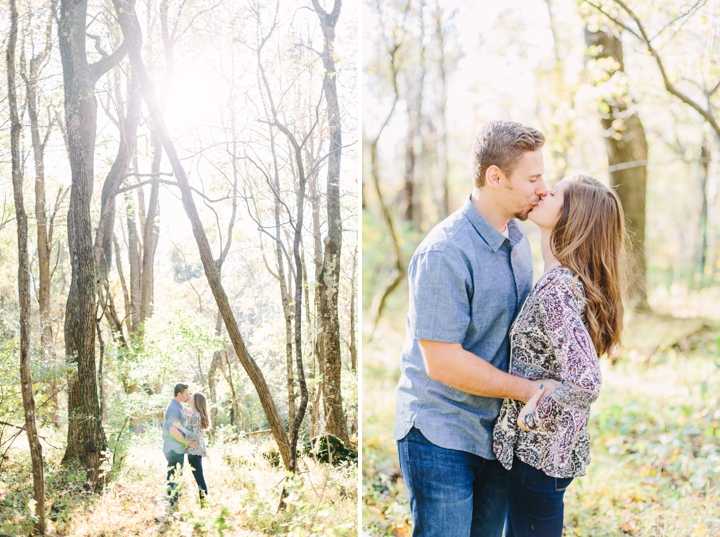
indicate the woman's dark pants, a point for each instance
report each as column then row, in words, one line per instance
column 195, row 462
column 535, row 502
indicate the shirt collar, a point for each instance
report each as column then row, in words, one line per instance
column 489, row 234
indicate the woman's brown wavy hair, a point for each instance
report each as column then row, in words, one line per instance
column 590, row 239
column 202, row 407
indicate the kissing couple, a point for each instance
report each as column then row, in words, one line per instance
column 184, row 433
column 498, row 375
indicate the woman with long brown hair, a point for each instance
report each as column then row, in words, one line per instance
column 197, row 423
column 573, row 315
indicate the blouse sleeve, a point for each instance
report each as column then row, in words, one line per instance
column 193, row 425
column 561, row 309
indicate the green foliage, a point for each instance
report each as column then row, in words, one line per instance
column 10, row 396
column 11, row 405
column 329, row 448
column 64, row 489
column 655, row 443
column 150, row 360
column 221, row 522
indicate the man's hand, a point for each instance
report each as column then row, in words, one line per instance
column 544, row 387
column 529, row 407
column 534, row 385
column 193, row 445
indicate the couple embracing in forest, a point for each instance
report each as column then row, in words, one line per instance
column 497, row 375
column 184, row 433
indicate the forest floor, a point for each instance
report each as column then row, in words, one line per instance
column 655, row 433
column 243, row 483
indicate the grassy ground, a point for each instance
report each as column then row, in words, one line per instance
column 655, row 437
column 244, row 490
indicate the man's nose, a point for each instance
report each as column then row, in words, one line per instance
column 541, row 189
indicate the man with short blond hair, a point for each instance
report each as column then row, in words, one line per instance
column 467, row 281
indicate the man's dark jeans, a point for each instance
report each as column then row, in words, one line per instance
column 173, row 459
column 452, row 493
column 195, row 462
column 535, row 502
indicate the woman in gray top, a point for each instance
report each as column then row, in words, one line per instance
column 573, row 315
column 197, row 424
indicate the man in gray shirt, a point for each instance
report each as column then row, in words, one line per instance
column 467, row 282
column 174, row 446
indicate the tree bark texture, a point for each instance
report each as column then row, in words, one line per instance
column 151, row 234
column 353, row 314
column 44, row 226
column 627, row 153
column 212, row 375
column 30, row 75
column 103, row 246
column 24, row 282
column 134, row 261
column 86, row 439
column 131, row 30
column 329, row 278
column 284, row 293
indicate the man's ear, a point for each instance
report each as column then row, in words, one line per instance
column 492, row 176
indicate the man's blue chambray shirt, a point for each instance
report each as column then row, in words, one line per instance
column 173, row 412
column 467, row 283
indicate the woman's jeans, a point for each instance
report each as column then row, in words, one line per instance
column 195, row 462
column 452, row 493
column 535, row 502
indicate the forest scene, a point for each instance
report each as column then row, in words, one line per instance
column 627, row 91
column 179, row 205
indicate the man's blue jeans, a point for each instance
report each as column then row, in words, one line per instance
column 452, row 493
column 535, row 502
column 173, row 459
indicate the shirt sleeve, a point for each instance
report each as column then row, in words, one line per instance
column 561, row 309
column 440, row 291
column 171, row 414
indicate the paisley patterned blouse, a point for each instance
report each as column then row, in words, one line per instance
column 549, row 339
column 196, row 434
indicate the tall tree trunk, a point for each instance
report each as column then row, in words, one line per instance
column 43, row 235
column 86, row 439
column 296, row 151
column 414, row 115
column 233, row 394
column 217, row 355
column 135, row 263
column 353, row 301
column 212, row 375
column 329, row 278
column 131, row 30
column 441, row 122
column 24, row 283
column 627, row 157
column 702, row 269
column 128, row 124
column 44, row 225
column 316, row 368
